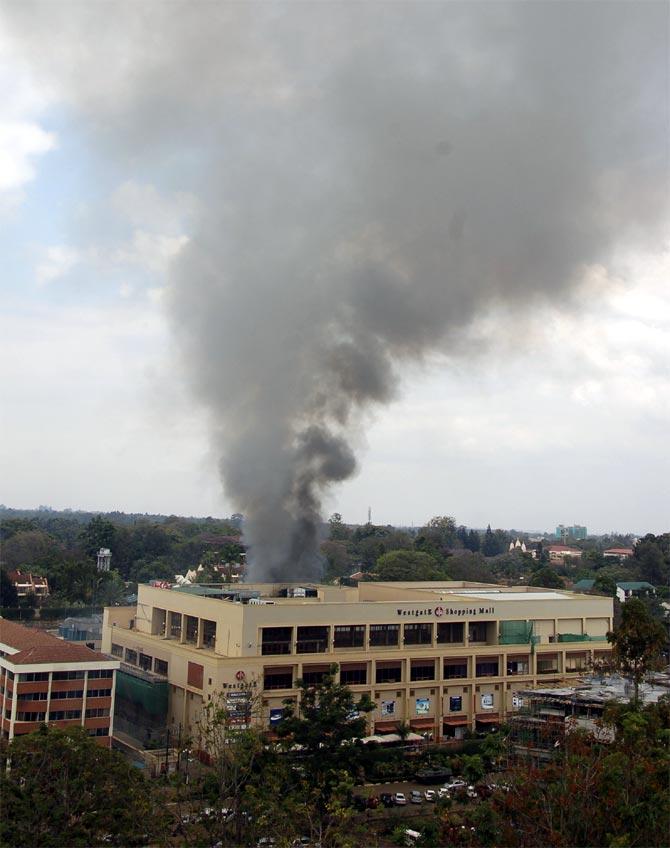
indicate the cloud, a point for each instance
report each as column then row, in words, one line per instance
column 58, row 261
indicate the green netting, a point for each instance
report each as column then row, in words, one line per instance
column 516, row 633
column 152, row 696
column 579, row 637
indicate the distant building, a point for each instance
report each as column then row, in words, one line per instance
column 45, row 680
column 618, row 553
column 633, row 589
column 559, row 553
column 575, row 531
column 29, row 584
column 104, row 559
column 87, row 630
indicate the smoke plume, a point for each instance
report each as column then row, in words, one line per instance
column 371, row 177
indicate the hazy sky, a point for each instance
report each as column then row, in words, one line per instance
column 202, row 204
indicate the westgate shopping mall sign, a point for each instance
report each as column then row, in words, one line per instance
column 439, row 611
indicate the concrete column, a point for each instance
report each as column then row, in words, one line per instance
column 201, row 629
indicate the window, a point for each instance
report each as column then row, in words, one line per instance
column 313, row 677
column 208, row 633
column 276, row 640
column 97, row 712
column 99, row 731
column 517, row 665
column 68, row 695
column 29, row 716
column 388, row 673
column 487, row 668
column 353, row 675
column 57, row 715
column 72, row 713
column 34, row 675
column 477, row 631
column 449, row 633
column 191, row 629
column 100, row 673
column 418, row 634
column 312, row 640
column 131, row 656
column 175, row 625
column 422, row 670
column 455, row 668
column 576, row 662
column 384, row 635
column 278, row 678
column 98, row 693
column 146, row 662
column 547, row 664
column 34, row 696
column 456, row 704
column 161, row 667
column 349, row 636
column 117, row 650
column 68, row 675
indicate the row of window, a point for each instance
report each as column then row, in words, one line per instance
column 143, row 661
column 169, row 623
column 61, row 715
column 391, row 672
column 278, row 640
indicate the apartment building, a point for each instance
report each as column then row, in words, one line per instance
column 46, row 680
column 441, row 657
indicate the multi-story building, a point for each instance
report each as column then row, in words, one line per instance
column 441, row 657
column 29, row 584
column 46, row 680
column 574, row 531
column 561, row 553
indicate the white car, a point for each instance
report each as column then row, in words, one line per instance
column 455, row 786
column 399, row 799
column 430, row 795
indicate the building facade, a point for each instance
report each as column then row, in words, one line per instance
column 441, row 657
column 44, row 680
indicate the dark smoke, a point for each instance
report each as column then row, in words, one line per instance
column 373, row 178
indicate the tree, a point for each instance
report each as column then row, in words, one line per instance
column 490, row 544
column 8, row 596
column 338, row 531
column 64, row 788
column 324, row 723
column 651, row 563
column 474, row 542
column 638, row 642
column 547, row 578
column 407, row 565
column 98, row 533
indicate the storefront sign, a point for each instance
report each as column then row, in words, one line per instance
column 441, row 611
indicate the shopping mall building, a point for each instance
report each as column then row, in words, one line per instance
column 441, row 657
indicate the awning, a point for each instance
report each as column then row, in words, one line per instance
column 385, row 726
column 414, row 737
column 422, row 722
column 488, row 719
column 456, row 722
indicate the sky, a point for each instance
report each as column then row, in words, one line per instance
column 205, row 208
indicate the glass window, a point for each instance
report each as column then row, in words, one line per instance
column 450, row 632
column 477, row 631
column 160, row 666
column 346, row 636
column 117, row 650
column 422, row 670
column 146, row 662
column 191, row 629
column 312, row 640
column 276, row 640
column 280, row 679
column 487, row 668
column 384, row 635
column 353, row 676
column 208, row 633
column 388, row 673
column 418, row 634
column 455, row 668
column 131, row 656
column 456, row 704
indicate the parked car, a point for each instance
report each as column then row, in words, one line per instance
column 455, row 786
column 359, row 802
column 399, row 799
column 387, row 799
column 415, row 797
column 471, row 792
column 430, row 795
column 373, row 802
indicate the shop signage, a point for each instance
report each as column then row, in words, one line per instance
column 440, row 611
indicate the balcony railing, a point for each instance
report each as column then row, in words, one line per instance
column 274, row 648
column 312, row 646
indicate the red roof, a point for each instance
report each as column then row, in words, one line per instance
column 563, row 549
column 620, row 551
column 36, row 646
